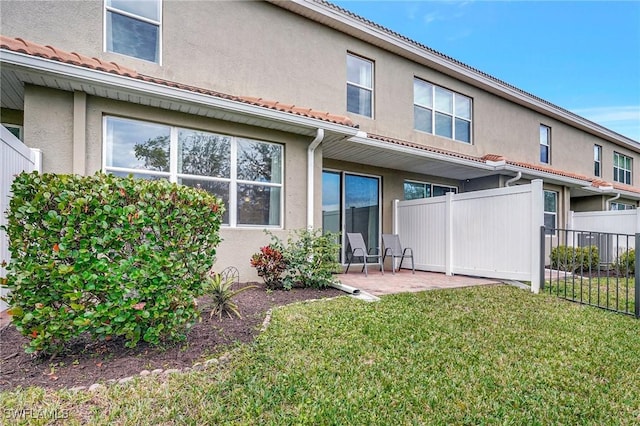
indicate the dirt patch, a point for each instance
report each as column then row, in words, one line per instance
column 89, row 364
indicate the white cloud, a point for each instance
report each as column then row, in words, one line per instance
column 621, row 119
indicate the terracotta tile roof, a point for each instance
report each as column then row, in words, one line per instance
column 596, row 183
column 49, row 52
column 424, row 147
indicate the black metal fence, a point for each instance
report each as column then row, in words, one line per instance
column 593, row 268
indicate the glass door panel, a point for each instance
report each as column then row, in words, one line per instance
column 362, row 208
column 331, row 203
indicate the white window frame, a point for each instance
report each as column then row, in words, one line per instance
column 360, row 86
column 617, row 169
column 430, row 186
column 597, row 160
column 173, row 174
column 158, row 23
column 551, row 213
column 20, row 129
column 546, row 143
column 621, row 206
column 453, row 115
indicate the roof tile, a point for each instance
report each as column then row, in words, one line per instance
column 48, row 52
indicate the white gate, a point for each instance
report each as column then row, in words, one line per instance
column 493, row 233
column 15, row 157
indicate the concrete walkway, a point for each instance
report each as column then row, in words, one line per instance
column 404, row 281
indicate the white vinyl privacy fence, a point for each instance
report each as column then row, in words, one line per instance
column 493, row 233
column 612, row 232
column 15, row 157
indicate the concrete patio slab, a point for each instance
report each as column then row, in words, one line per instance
column 404, row 281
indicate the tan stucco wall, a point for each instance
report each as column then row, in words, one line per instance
column 228, row 48
column 49, row 118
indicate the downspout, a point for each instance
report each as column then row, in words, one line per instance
column 311, row 150
column 513, row 179
column 608, row 202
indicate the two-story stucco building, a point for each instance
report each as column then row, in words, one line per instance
column 296, row 113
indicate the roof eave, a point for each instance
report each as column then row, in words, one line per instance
column 140, row 87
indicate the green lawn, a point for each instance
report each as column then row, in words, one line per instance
column 614, row 293
column 481, row 355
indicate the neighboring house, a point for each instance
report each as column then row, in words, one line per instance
column 231, row 96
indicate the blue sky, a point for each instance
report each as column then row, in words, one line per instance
column 583, row 56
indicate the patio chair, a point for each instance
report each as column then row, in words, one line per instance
column 393, row 248
column 359, row 249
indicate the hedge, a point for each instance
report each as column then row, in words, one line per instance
column 108, row 257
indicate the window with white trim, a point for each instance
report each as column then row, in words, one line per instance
column 621, row 206
column 414, row 190
column 133, row 28
column 545, row 144
column 622, row 167
column 597, row 160
column 245, row 173
column 359, row 85
column 441, row 112
column 550, row 212
column 14, row 129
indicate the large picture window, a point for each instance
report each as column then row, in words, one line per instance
column 442, row 112
column 359, row 86
column 246, row 174
column 622, row 167
column 133, row 28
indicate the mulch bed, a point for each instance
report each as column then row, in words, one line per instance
column 88, row 364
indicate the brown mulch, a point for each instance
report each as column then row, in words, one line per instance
column 111, row 360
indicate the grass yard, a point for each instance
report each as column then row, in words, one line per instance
column 614, row 293
column 481, row 355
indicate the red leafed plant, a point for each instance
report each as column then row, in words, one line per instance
column 270, row 264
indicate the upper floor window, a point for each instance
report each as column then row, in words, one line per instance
column 545, row 144
column 442, row 112
column 550, row 212
column 621, row 206
column 133, row 28
column 622, row 167
column 597, row 160
column 246, row 174
column 359, row 85
column 414, row 190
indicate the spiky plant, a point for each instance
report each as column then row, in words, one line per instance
column 222, row 295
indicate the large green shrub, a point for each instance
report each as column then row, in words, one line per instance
column 107, row 256
column 308, row 259
column 626, row 263
column 573, row 259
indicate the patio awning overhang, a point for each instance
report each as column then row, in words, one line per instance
column 18, row 69
column 401, row 155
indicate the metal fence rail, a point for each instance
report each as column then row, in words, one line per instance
column 592, row 268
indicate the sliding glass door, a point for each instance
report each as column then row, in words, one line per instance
column 351, row 203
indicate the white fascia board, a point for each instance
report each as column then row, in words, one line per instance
column 146, row 88
column 462, row 71
column 419, row 152
column 546, row 176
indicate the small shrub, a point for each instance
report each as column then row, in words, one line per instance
column 221, row 295
column 311, row 258
column 572, row 259
column 108, row 257
column 626, row 263
column 270, row 264
column 308, row 259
